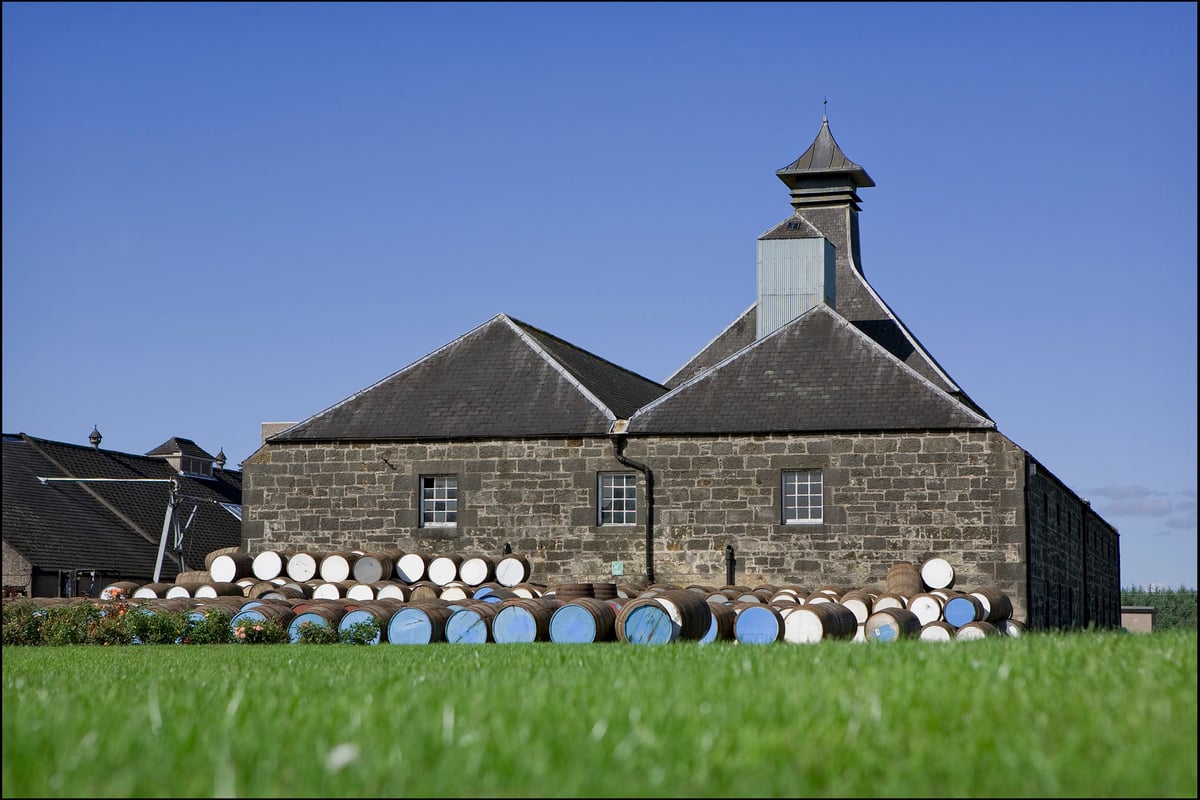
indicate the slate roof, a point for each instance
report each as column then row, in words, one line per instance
column 112, row 527
column 818, row 373
column 177, row 444
column 824, row 157
column 505, row 378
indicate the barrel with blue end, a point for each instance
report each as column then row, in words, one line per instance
column 962, row 609
column 472, row 624
column 644, row 621
column 758, row 624
column 326, row 616
column 721, row 627
column 523, row 620
column 582, row 621
column 421, row 624
column 360, row 616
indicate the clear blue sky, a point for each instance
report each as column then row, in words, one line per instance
column 217, row 215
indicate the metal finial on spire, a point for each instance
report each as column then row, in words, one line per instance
column 824, row 108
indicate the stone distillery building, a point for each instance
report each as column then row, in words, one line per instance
column 812, row 441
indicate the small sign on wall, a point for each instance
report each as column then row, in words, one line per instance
column 618, row 568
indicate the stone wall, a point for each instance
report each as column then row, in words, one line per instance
column 1074, row 574
column 887, row 498
column 17, row 569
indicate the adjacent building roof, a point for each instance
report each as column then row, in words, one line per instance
column 816, row 373
column 114, row 527
column 505, row 378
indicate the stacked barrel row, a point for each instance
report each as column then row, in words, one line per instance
column 599, row 612
column 356, row 575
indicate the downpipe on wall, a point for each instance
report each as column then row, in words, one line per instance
column 619, row 451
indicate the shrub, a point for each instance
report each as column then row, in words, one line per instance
column 260, row 631
column 318, row 633
column 363, row 632
column 68, row 624
column 108, row 626
column 23, row 623
column 212, row 628
column 148, row 625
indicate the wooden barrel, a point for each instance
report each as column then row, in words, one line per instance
column 472, row 625
column 1011, row 627
column 523, row 620
column 570, row 591
column 891, row 624
column 455, row 590
column 937, row 573
column 192, row 578
column 498, row 595
column 512, row 570
column 208, row 559
column 304, row 565
column 996, row 604
column 444, row 569
column 305, row 589
column 338, row 566
column 757, row 623
column 927, row 607
column 260, row 588
column 391, row 590
column 582, row 621
column 976, row 630
column 284, row 592
column 119, row 590
column 216, row 589
column 529, row 589
column 904, row 578
column 816, row 622
column 476, row 570
column 325, row 614
column 372, row 567
column 889, row 600
column 604, row 591
column 150, row 591
column 963, row 608
column 412, row 567
column 689, row 611
column 230, row 567
column 330, row 590
column 360, row 591
column 644, row 621
column 422, row 623
column 178, row 590
column 720, row 629
column 937, row 631
column 277, row 612
column 422, row 591
column 860, row 603
column 269, row 564
column 378, row 612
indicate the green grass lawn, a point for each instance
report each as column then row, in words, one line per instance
column 1050, row 715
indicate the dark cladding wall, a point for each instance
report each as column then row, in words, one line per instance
column 888, row 498
column 1074, row 575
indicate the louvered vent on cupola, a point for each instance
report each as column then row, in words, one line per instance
column 797, row 269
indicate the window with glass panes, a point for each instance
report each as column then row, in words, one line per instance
column 439, row 501
column 802, row 496
column 618, row 498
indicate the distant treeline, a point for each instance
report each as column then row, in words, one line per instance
column 1174, row 608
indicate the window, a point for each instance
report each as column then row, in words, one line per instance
column 618, row 498
column 439, row 501
column 802, row 501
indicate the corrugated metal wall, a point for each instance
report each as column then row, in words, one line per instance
column 793, row 276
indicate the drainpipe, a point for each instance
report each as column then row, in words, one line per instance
column 729, row 564
column 618, row 451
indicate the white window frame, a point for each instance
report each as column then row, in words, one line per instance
column 803, row 496
column 616, row 495
column 439, row 490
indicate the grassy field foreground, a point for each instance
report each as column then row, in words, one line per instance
column 1084, row 714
